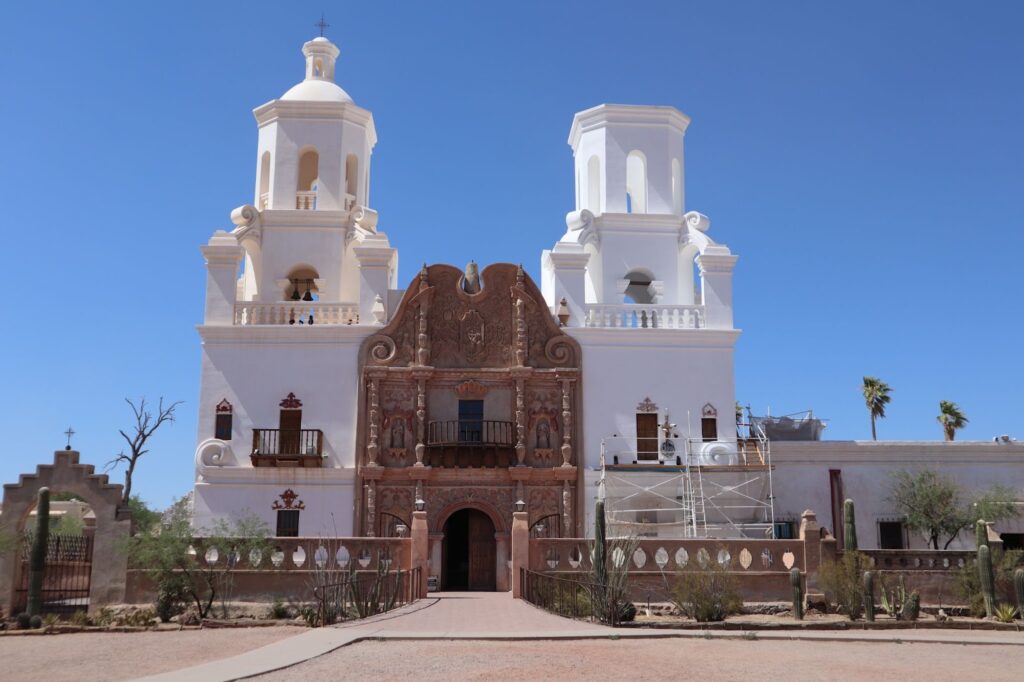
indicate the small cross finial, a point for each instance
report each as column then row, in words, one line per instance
column 70, row 432
column 322, row 24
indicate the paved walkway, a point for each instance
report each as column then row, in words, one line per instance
column 496, row 616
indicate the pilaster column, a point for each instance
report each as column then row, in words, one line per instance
column 520, row 422
column 377, row 261
column 223, row 256
column 371, row 508
column 566, row 421
column 421, row 418
column 569, row 271
column 373, row 419
column 716, row 264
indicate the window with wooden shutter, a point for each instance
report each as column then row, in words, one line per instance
column 288, row 523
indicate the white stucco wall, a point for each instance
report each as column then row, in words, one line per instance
column 679, row 370
column 801, row 478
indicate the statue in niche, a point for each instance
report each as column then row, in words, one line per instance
column 543, row 436
column 398, row 433
column 471, row 279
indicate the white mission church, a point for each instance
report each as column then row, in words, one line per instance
column 336, row 399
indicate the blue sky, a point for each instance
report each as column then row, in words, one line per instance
column 863, row 159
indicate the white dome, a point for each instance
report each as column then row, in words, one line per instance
column 314, row 90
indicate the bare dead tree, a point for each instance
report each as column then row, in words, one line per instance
column 146, row 424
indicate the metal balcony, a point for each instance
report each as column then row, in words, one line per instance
column 287, row 447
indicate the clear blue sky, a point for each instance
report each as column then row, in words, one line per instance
column 863, row 159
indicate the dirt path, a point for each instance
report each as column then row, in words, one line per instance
column 125, row 655
column 705, row 660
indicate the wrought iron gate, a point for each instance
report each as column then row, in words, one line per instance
column 67, row 577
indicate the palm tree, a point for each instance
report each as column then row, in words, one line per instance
column 876, row 397
column 951, row 418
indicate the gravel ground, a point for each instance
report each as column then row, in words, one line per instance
column 125, row 655
column 705, row 660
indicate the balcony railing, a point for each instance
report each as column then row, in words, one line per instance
column 471, row 433
column 296, row 312
column 287, row 447
column 305, row 201
column 645, row 316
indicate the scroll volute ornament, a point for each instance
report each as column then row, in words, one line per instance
column 505, row 324
column 471, row 390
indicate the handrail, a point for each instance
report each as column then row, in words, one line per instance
column 471, row 433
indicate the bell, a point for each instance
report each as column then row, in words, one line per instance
column 308, row 296
column 295, row 293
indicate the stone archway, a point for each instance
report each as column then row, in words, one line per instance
column 113, row 524
column 475, row 533
column 469, row 551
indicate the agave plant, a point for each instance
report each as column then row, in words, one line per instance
column 876, row 397
column 952, row 418
column 1005, row 613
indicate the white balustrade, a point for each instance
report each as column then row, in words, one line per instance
column 645, row 316
column 296, row 313
column 305, row 201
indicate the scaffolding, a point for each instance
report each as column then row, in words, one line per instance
column 689, row 488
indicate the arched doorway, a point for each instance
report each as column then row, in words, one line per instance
column 469, row 551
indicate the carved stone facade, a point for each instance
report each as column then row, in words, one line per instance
column 446, row 350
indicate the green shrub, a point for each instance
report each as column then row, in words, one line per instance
column 172, row 594
column 79, row 618
column 968, row 585
column 842, row 582
column 278, row 611
column 51, row 620
column 23, row 620
column 628, row 613
column 709, row 594
column 140, row 618
column 35, row 622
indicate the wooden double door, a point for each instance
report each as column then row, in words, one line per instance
column 469, row 551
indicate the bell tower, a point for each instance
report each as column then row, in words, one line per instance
column 314, row 142
column 310, row 234
column 630, row 242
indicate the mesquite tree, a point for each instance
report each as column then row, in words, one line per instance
column 146, row 424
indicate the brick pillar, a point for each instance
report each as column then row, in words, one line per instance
column 520, row 549
column 995, row 541
column 419, row 548
column 811, row 536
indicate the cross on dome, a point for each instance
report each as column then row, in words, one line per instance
column 322, row 24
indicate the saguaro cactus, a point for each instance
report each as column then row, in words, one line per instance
column 798, row 593
column 869, row 596
column 849, row 527
column 986, row 579
column 600, row 545
column 37, row 567
column 1018, row 588
column 980, row 532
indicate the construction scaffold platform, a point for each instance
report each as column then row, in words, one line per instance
column 687, row 487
